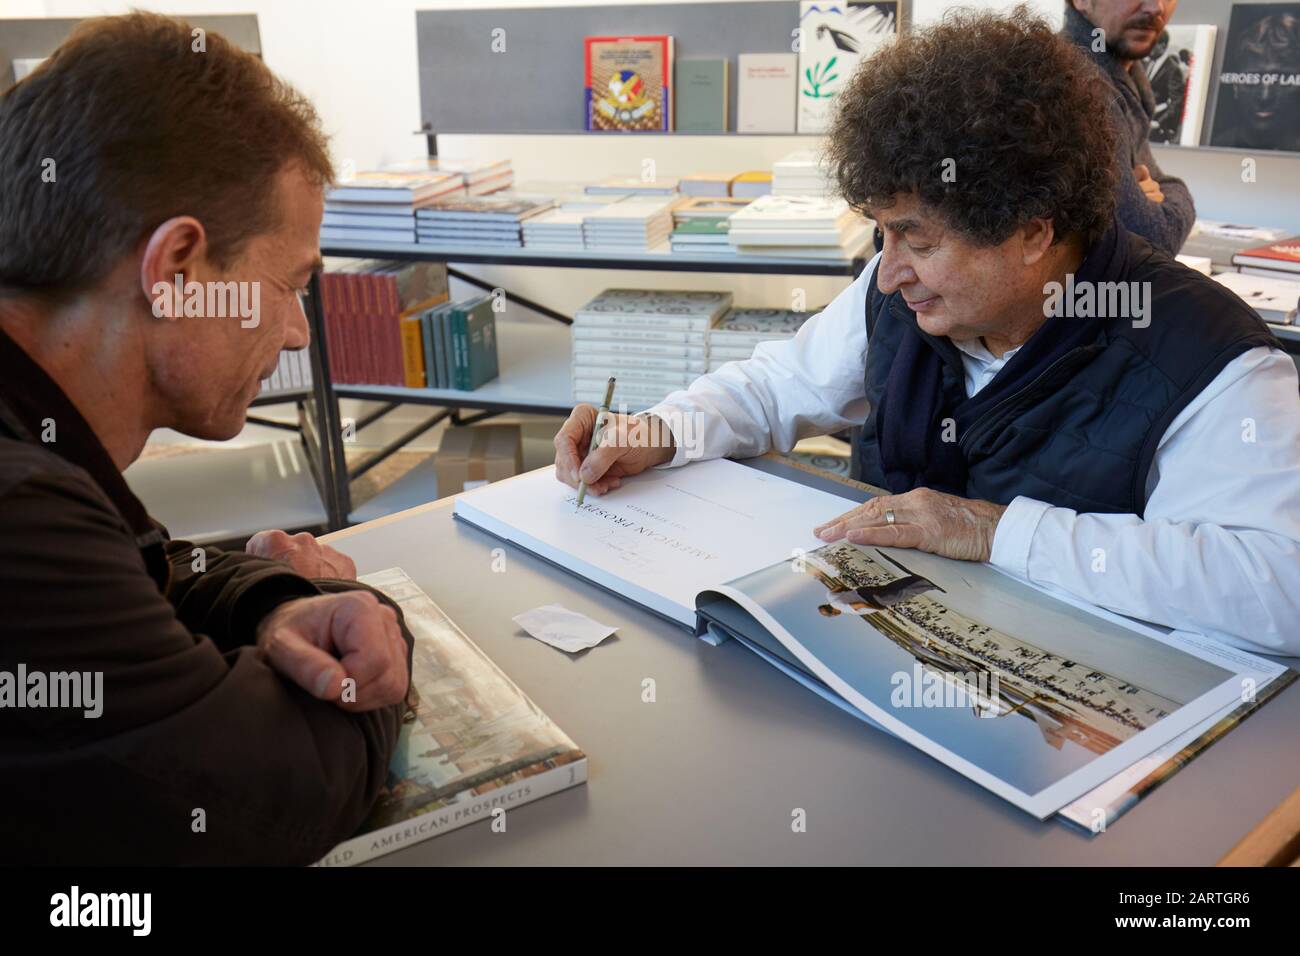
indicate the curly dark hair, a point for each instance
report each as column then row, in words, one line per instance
column 1020, row 112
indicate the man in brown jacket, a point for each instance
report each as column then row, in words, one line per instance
column 160, row 702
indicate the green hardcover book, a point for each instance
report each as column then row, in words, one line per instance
column 445, row 375
column 430, row 353
column 701, row 95
column 460, row 366
column 702, row 227
column 479, row 343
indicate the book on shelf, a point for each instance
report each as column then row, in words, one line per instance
column 1282, row 256
column 715, row 185
column 628, row 83
column 741, row 330
column 632, row 186
column 701, row 92
column 479, row 177
column 799, row 226
column 834, row 38
column 1275, row 299
column 460, row 344
column 1178, row 71
column 472, row 743
column 708, row 207
column 765, row 92
column 801, row 173
column 1039, row 698
column 635, row 224
column 1258, row 102
column 292, row 373
column 752, row 184
column 395, row 188
column 365, row 303
column 653, row 341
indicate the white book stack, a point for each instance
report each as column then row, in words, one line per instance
column 478, row 222
column 559, row 230
column 653, row 342
column 292, row 373
column 636, row 224
column 802, row 227
column 734, row 337
column 802, row 173
column 380, row 206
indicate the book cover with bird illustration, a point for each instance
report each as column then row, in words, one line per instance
column 834, row 38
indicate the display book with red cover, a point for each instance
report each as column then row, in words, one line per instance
column 1283, row 256
column 366, row 306
column 628, row 83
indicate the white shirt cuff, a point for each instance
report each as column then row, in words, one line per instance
column 671, row 416
column 1015, row 534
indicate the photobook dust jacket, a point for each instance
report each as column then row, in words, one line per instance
column 1037, row 699
column 473, row 741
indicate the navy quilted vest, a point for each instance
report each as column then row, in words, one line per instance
column 1083, row 433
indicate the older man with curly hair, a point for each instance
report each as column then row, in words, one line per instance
column 1036, row 386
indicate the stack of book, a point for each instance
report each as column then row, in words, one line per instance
column 477, row 222
column 653, row 342
column 459, row 343
column 700, row 225
column 380, row 206
column 292, row 373
column 635, row 224
column 1220, row 241
column 801, row 227
column 366, row 305
column 559, row 230
column 706, row 184
column 734, row 337
column 802, row 173
column 1276, row 300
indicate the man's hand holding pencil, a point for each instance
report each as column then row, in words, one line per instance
column 628, row 445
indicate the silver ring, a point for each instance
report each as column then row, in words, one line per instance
column 889, row 516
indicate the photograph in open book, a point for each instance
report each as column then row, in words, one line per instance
column 1029, row 701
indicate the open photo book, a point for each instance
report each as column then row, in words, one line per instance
column 1053, row 705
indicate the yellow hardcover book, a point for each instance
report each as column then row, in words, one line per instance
column 412, row 352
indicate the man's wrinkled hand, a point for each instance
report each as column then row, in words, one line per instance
column 321, row 642
column 303, row 553
column 628, row 446
column 924, row 519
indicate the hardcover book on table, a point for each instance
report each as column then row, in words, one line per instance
column 1036, row 697
column 628, row 83
column 473, row 746
column 1281, row 256
column 1258, row 104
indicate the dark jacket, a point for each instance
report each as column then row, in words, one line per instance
column 1166, row 225
column 1083, row 432
column 193, row 718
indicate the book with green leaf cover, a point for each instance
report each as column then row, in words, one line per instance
column 473, row 744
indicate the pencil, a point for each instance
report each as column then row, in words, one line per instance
column 601, row 417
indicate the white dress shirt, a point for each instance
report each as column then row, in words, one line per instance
column 1217, row 551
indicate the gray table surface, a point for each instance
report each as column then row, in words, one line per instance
column 711, row 772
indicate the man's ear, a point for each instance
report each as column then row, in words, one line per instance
column 1035, row 239
column 172, row 250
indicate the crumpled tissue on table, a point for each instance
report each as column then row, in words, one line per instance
column 562, row 628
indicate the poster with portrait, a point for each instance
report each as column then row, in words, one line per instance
column 1258, row 104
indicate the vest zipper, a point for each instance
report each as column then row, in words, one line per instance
column 990, row 418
